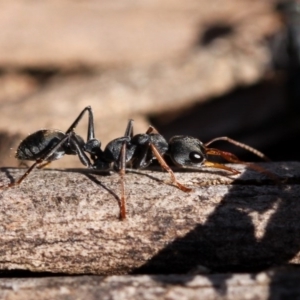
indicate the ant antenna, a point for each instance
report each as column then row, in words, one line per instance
column 241, row 145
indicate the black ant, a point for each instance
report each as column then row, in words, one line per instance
column 137, row 151
column 140, row 150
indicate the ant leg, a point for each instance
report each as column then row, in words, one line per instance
column 22, row 163
column 151, row 129
column 122, row 166
column 74, row 141
column 43, row 165
column 140, row 162
column 80, row 152
column 22, row 177
column 241, row 145
column 165, row 166
column 129, row 129
column 91, row 127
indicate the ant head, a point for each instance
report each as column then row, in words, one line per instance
column 187, row 151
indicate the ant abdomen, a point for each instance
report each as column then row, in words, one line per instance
column 39, row 143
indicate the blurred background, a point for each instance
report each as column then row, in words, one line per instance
column 205, row 68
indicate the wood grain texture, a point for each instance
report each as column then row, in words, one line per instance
column 67, row 221
column 273, row 284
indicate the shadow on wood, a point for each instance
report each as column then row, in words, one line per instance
column 252, row 228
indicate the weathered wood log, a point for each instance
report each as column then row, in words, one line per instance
column 67, row 221
column 274, row 284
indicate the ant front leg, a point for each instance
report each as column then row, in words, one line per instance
column 165, row 166
column 158, row 145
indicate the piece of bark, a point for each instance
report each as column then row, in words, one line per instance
column 67, row 221
column 274, row 284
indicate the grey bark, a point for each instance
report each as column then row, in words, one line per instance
column 67, row 221
column 274, row 284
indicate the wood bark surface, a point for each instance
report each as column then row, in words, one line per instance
column 66, row 221
column 274, row 284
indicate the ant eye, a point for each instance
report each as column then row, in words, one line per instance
column 196, row 157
